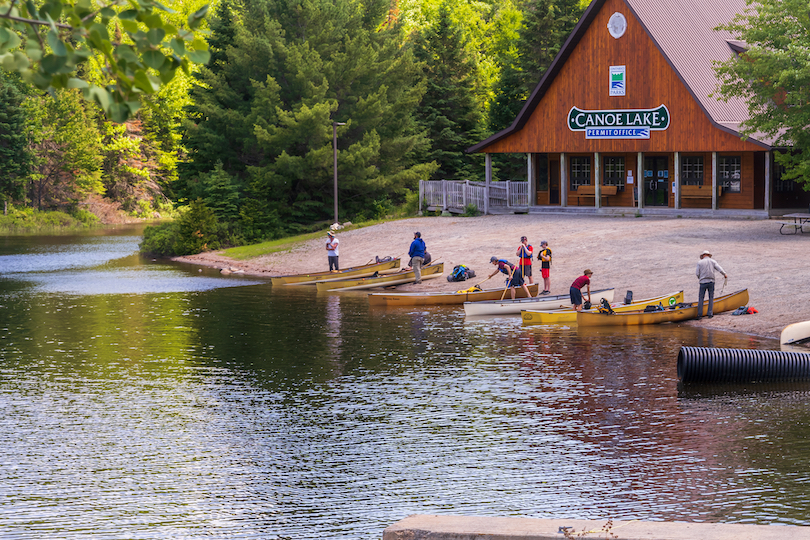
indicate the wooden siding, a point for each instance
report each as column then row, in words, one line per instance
column 650, row 82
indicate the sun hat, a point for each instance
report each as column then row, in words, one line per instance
column 705, row 252
column 330, row 233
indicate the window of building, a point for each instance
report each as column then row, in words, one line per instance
column 614, row 172
column 729, row 173
column 780, row 185
column 692, row 171
column 580, row 172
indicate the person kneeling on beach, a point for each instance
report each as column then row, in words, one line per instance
column 576, row 289
column 513, row 279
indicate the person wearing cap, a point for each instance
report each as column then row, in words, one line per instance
column 705, row 274
column 417, row 255
column 332, row 251
column 576, row 289
column 513, row 277
column 545, row 267
column 525, row 251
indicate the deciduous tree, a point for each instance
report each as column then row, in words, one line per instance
column 773, row 77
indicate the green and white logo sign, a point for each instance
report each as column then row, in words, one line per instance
column 620, row 123
column 617, row 85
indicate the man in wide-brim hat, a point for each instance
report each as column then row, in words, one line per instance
column 706, row 267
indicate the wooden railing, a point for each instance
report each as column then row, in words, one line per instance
column 455, row 195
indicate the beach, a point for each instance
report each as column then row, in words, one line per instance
column 646, row 255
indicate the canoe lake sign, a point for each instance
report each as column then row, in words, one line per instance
column 619, row 123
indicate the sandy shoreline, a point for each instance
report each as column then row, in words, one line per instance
column 648, row 256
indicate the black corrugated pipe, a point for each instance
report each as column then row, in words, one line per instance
column 710, row 365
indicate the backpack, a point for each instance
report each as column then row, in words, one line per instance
column 604, row 307
column 461, row 273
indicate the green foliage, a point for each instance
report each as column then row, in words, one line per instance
column 160, row 239
column 67, row 149
column 195, row 231
column 15, row 157
column 471, row 210
column 136, row 45
column 773, row 78
column 449, row 111
column 283, row 73
column 28, row 220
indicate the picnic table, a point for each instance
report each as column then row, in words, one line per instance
column 800, row 221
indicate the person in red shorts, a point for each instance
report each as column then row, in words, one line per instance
column 576, row 289
column 545, row 266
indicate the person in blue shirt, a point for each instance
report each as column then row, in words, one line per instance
column 417, row 254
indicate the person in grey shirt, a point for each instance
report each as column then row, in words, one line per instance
column 705, row 274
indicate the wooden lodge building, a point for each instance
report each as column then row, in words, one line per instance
column 624, row 119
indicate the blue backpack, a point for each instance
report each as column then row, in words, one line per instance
column 461, row 273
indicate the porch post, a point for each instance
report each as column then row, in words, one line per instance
column 677, row 179
column 767, row 201
column 714, row 180
column 597, row 198
column 489, row 181
column 640, row 166
column 532, row 171
column 563, row 181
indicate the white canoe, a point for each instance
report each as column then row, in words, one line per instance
column 514, row 307
column 796, row 334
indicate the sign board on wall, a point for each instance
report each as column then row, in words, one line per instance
column 618, row 123
column 618, row 83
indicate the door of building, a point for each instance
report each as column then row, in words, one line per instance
column 656, row 181
column 554, row 182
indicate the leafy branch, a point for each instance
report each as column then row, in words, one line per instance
column 48, row 44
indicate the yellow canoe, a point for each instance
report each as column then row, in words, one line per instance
column 357, row 271
column 442, row 298
column 680, row 312
column 569, row 316
column 397, row 278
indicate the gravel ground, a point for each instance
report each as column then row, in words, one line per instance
column 649, row 256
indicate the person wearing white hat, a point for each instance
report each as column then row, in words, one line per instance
column 332, row 251
column 705, row 274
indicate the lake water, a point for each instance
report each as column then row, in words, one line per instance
column 145, row 399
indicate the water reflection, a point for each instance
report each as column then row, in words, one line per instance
column 283, row 413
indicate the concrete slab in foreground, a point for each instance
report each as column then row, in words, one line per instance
column 428, row 527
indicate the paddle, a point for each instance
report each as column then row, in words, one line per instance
column 508, row 281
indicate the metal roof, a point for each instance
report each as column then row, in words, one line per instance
column 684, row 31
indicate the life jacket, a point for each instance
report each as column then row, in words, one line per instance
column 506, row 263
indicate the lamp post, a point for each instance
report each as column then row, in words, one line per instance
column 334, row 152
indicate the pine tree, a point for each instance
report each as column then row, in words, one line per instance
column 292, row 70
column 546, row 26
column 449, row 112
column 15, row 159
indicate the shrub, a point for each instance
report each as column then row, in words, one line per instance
column 471, row 210
column 160, row 239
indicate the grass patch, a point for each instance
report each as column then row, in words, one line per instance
column 252, row 251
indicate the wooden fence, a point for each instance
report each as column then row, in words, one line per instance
column 455, row 195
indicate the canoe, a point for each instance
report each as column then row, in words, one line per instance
column 677, row 313
column 398, row 278
column 442, row 298
column 569, row 316
column 357, row 271
column 796, row 334
column 514, row 307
